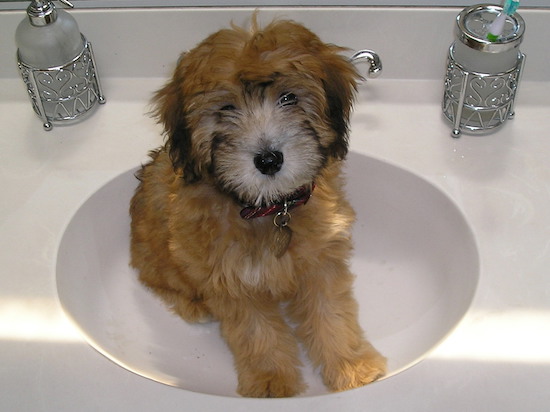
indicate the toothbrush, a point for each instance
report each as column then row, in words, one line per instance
column 496, row 27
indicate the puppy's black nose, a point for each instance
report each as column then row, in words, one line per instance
column 269, row 162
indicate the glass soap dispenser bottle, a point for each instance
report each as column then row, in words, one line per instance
column 57, row 65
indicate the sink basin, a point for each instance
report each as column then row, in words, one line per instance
column 415, row 259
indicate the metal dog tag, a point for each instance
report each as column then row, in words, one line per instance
column 281, row 240
column 282, row 235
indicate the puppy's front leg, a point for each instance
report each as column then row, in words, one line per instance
column 263, row 346
column 326, row 313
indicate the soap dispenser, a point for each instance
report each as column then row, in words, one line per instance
column 57, row 65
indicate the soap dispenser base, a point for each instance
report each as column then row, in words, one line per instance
column 65, row 94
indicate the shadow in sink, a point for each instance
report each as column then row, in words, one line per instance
column 415, row 259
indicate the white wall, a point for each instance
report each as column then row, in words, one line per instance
column 18, row 5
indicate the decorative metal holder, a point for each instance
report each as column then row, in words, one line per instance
column 479, row 102
column 66, row 93
column 483, row 74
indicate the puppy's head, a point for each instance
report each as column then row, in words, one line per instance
column 258, row 112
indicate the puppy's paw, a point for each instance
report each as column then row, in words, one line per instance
column 192, row 311
column 349, row 374
column 271, row 384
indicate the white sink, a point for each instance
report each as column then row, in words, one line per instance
column 415, row 259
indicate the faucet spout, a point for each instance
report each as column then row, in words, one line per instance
column 375, row 64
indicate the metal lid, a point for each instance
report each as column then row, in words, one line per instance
column 473, row 23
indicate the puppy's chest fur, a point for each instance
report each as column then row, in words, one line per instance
column 205, row 236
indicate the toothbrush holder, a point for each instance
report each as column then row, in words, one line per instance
column 482, row 76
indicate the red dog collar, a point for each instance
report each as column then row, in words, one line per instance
column 299, row 197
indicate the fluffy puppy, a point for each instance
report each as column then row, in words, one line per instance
column 243, row 209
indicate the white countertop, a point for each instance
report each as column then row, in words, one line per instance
column 497, row 359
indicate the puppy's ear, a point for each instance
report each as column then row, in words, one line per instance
column 340, row 86
column 170, row 112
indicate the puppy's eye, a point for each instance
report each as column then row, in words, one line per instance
column 287, row 99
column 228, row 107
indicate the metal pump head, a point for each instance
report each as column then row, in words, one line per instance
column 42, row 13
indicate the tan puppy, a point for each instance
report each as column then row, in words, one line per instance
column 223, row 225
